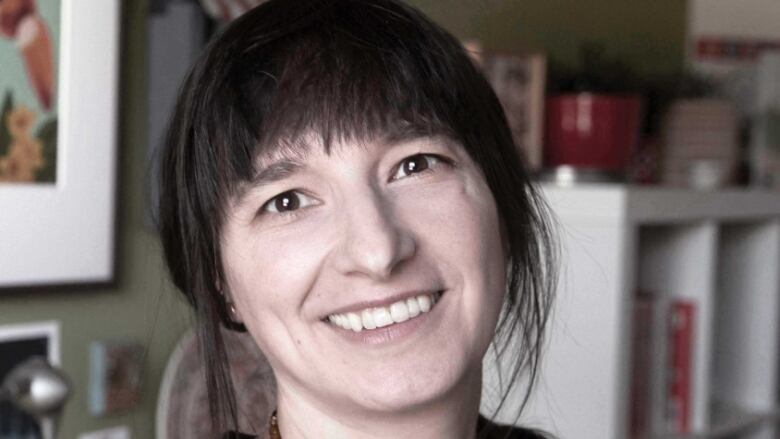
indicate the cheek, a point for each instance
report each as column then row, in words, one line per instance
column 482, row 244
column 484, row 264
column 270, row 279
column 463, row 217
column 461, row 227
column 461, row 232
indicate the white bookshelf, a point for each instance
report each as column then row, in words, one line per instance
column 720, row 249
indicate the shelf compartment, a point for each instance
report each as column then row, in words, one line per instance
column 586, row 330
column 618, row 240
column 747, row 305
column 678, row 262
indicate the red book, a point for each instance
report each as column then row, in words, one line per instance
column 681, row 326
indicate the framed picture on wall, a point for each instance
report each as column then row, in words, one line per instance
column 58, row 124
column 19, row 343
column 519, row 82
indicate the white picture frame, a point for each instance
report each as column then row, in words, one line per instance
column 64, row 233
column 50, row 330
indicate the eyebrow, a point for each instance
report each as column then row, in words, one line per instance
column 276, row 171
column 409, row 134
column 288, row 166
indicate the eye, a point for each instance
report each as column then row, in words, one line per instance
column 416, row 164
column 287, row 202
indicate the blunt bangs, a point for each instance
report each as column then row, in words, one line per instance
column 341, row 73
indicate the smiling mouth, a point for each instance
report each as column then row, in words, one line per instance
column 383, row 316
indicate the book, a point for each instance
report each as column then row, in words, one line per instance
column 680, row 361
column 649, row 361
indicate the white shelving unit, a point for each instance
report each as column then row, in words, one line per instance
column 720, row 249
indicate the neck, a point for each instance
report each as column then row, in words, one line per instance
column 453, row 416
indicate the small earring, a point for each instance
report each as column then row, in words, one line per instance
column 231, row 307
column 233, row 322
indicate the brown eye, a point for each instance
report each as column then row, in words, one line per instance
column 415, row 164
column 287, row 202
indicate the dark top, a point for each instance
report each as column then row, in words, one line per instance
column 486, row 429
column 489, row 430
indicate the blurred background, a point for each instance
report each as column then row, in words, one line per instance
column 654, row 127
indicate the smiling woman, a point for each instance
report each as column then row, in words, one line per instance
column 339, row 181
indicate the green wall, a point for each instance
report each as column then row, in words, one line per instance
column 648, row 33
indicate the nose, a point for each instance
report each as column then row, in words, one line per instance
column 374, row 242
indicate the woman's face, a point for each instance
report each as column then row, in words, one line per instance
column 371, row 277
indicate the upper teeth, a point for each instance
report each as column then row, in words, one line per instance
column 372, row 318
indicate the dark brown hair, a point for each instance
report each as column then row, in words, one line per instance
column 340, row 70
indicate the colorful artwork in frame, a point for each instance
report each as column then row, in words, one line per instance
column 58, row 216
column 29, row 48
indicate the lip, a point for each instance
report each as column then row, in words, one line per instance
column 360, row 306
column 391, row 335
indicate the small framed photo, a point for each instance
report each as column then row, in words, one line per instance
column 116, row 368
column 519, row 82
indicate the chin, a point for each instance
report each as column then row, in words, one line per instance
column 394, row 398
column 396, row 387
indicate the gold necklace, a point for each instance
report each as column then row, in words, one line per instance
column 273, row 427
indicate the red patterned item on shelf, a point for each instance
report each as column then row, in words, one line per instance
column 699, row 131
